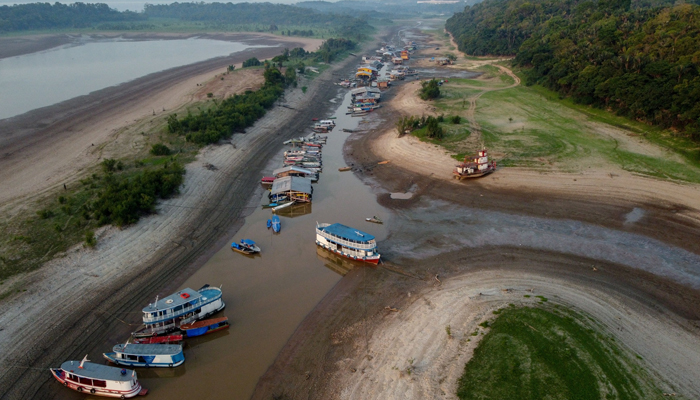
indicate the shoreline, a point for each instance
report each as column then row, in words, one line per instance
column 351, row 346
column 44, row 148
column 13, row 46
column 157, row 254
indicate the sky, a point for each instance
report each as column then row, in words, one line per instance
column 136, row 5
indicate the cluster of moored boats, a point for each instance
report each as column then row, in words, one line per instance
column 157, row 343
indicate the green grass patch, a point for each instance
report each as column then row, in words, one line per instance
column 532, row 353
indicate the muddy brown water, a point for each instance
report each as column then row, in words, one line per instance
column 267, row 296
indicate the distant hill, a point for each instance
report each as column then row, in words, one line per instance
column 37, row 16
column 640, row 59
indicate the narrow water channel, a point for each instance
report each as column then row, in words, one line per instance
column 269, row 295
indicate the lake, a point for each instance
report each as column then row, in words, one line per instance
column 48, row 77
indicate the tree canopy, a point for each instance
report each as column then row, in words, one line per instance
column 640, row 59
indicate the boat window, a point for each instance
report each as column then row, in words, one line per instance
column 178, row 308
column 132, row 358
column 72, row 377
column 99, row 383
column 85, row 381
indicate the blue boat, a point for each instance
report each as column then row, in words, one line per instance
column 276, row 224
column 204, row 327
column 246, row 246
column 269, row 223
column 147, row 355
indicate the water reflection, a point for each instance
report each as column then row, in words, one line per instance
column 339, row 265
column 296, row 210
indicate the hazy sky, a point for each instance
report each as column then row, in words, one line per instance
column 136, row 5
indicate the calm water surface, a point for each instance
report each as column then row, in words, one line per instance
column 41, row 79
column 269, row 295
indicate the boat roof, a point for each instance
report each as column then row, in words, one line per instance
column 173, row 300
column 295, row 183
column 248, row 241
column 347, row 232
column 147, row 349
column 96, row 371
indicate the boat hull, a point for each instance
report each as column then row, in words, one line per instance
column 370, row 260
column 205, row 330
column 156, row 364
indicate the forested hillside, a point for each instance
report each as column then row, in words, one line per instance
column 640, row 59
column 59, row 16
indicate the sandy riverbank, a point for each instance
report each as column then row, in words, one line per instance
column 353, row 347
column 95, row 292
column 45, row 148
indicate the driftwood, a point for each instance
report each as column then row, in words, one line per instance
column 391, row 309
column 438, row 280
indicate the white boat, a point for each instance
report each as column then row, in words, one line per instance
column 347, row 242
column 187, row 305
column 146, row 355
column 283, row 206
column 99, row 380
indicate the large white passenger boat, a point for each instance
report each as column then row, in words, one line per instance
column 98, row 379
column 347, row 242
column 167, row 314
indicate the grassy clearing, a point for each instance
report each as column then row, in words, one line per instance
column 532, row 127
column 533, row 353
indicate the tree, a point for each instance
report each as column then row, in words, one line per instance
column 429, row 90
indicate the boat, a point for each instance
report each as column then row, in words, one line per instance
column 384, row 162
column 167, row 314
column 267, row 180
column 245, row 246
column 99, row 380
column 347, row 242
column 374, row 219
column 168, row 339
column 341, row 169
column 269, row 223
column 204, row 327
column 348, row 130
column 270, row 206
column 475, row 166
column 146, row 355
column 276, row 224
column 282, row 206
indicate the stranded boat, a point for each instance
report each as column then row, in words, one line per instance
column 347, row 242
column 276, row 224
column 168, row 339
column 167, row 314
column 146, row 355
column 475, row 166
column 246, row 246
column 204, row 327
column 98, row 379
column 374, row 219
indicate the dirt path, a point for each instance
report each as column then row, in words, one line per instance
column 76, row 304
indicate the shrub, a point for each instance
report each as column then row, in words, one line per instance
column 90, row 240
column 251, row 62
column 435, row 131
column 429, row 90
column 159, row 149
column 456, row 119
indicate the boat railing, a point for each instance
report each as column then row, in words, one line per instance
column 344, row 242
column 169, row 313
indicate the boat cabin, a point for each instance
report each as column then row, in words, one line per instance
column 293, row 170
column 347, row 242
column 147, row 355
column 291, row 188
column 98, row 379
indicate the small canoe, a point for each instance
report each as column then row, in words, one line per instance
column 159, row 339
column 267, row 180
column 269, row 223
column 246, row 246
column 374, row 219
column 276, row 224
column 384, row 162
column 282, row 206
column 344, row 169
column 271, row 205
column 204, row 327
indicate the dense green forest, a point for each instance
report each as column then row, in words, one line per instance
column 39, row 16
column 60, row 16
column 640, row 59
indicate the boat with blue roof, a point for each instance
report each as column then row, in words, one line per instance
column 347, row 242
column 146, row 355
column 204, row 327
column 99, row 380
column 188, row 305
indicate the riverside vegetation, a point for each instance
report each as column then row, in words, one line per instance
column 640, row 59
column 119, row 192
column 554, row 353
